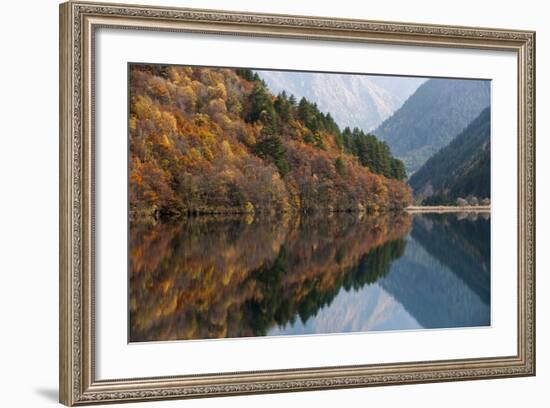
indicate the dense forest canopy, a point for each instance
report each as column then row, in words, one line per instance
column 207, row 140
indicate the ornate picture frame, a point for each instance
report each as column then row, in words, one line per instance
column 78, row 24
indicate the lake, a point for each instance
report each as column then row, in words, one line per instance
column 241, row 276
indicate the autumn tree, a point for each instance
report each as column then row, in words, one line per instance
column 208, row 140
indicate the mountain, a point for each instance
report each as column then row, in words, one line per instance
column 461, row 169
column 400, row 86
column 210, row 141
column 362, row 101
column 432, row 116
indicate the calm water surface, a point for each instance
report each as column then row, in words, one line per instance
column 218, row 277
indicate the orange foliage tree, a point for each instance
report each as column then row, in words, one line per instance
column 205, row 140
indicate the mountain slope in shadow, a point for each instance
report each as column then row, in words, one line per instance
column 438, row 111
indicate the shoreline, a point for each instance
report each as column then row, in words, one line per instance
column 448, row 208
column 135, row 217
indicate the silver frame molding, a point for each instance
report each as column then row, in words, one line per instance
column 78, row 22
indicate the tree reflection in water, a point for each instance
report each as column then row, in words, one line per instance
column 235, row 276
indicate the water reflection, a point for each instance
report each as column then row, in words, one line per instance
column 215, row 277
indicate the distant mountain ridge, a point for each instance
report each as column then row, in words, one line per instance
column 438, row 111
column 362, row 101
column 461, row 169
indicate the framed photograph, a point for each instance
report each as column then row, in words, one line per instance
column 256, row 203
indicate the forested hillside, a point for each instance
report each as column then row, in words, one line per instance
column 438, row 111
column 206, row 140
column 462, row 169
